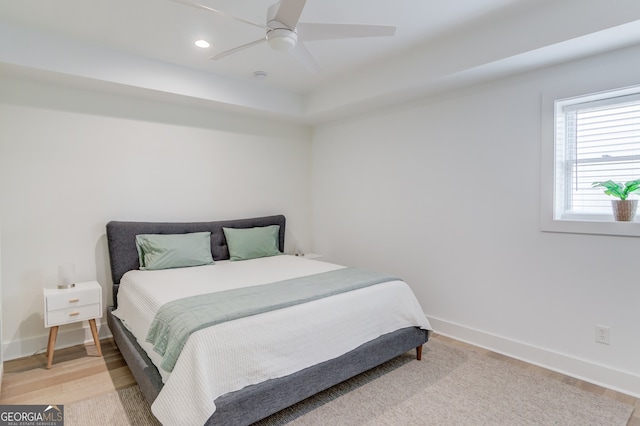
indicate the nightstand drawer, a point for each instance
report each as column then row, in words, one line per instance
column 71, row 299
column 79, row 313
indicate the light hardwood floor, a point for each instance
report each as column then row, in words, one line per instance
column 78, row 374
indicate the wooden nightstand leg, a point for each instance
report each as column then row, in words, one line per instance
column 51, row 347
column 94, row 331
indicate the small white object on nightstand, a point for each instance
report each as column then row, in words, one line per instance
column 66, row 306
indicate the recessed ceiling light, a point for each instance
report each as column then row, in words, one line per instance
column 202, row 43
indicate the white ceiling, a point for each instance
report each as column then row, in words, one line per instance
column 146, row 47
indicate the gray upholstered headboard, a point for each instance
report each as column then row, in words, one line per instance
column 121, row 239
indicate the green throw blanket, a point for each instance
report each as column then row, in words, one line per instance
column 176, row 320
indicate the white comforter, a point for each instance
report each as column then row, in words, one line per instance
column 260, row 347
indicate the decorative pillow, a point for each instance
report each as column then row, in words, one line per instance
column 250, row 243
column 164, row 251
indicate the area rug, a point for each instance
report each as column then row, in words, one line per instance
column 450, row 386
column 125, row 407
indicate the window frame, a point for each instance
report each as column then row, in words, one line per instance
column 551, row 192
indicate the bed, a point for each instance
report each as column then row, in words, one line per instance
column 294, row 353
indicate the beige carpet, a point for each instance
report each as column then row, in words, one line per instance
column 450, row 386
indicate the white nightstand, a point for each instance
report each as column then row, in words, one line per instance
column 66, row 306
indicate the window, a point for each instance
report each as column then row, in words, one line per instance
column 596, row 138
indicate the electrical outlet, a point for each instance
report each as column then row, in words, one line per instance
column 603, row 334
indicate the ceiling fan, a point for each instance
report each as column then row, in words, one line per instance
column 285, row 33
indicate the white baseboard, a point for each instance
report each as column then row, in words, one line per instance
column 587, row 371
column 66, row 338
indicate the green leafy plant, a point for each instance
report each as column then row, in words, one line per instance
column 619, row 190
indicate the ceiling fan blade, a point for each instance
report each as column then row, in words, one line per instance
column 237, row 49
column 289, row 12
column 220, row 13
column 311, row 32
column 302, row 54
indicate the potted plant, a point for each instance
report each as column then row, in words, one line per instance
column 624, row 210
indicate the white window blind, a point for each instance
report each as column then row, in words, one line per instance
column 597, row 139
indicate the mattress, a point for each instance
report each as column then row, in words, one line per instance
column 238, row 353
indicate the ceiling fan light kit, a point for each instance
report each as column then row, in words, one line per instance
column 282, row 39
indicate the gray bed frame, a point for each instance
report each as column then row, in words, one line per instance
column 254, row 402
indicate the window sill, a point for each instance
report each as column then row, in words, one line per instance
column 595, row 227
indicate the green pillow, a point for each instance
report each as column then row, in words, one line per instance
column 163, row 251
column 250, row 243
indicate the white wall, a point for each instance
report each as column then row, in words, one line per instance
column 445, row 192
column 71, row 160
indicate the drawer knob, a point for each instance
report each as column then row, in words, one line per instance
column 74, row 314
column 74, row 300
